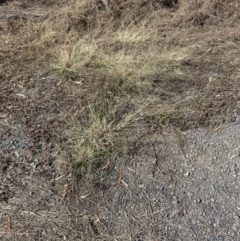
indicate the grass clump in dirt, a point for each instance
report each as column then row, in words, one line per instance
column 104, row 133
column 70, row 60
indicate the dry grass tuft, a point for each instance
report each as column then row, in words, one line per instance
column 206, row 12
column 69, row 60
column 105, row 132
column 130, row 57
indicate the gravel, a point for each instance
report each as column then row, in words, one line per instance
column 194, row 193
column 177, row 186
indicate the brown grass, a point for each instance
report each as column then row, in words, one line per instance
column 127, row 44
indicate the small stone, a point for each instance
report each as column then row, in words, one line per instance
column 174, row 202
column 186, row 174
column 199, row 200
column 236, row 217
column 17, row 154
column 194, row 222
column 189, row 194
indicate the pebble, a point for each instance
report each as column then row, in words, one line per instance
column 174, row 202
column 194, row 222
column 186, row 174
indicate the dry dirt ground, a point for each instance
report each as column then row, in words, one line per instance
column 180, row 182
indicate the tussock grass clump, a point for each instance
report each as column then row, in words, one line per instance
column 69, row 60
column 105, row 132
